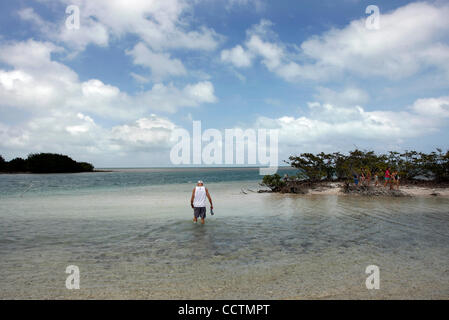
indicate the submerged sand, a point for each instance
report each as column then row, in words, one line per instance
column 140, row 243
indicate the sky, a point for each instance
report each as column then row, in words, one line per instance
column 113, row 91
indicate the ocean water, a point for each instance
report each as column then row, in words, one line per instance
column 131, row 235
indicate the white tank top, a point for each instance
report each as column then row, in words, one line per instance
column 200, row 197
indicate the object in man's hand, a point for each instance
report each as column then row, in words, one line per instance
column 211, row 211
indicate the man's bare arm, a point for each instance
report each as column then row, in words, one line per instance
column 192, row 198
column 210, row 199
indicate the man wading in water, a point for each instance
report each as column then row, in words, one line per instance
column 198, row 201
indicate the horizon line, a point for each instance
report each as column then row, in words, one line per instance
column 194, row 167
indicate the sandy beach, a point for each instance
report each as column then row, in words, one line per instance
column 408, row 190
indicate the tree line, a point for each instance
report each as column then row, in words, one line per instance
column 44, row 163
column 338, row 166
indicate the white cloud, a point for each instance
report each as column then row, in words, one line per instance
column 145, row 132
column 88, row 122
column 347, row 96
column 161, row 64
column 407, row 41
column 410, row 39
column 72, row 133
column 59, row 113
column 35, row 82
column 91, row 32
column 271, row 54
column 30, row 54
column 56, row 131
column 201, row 92
column 326, row 124
column 168, row 98
column 38, row 84
column 433, row 107
column 237, row 56
column 160, row 24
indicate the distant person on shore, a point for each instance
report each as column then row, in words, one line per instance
column 198, row 201
column 387, row 177
column 362, row 176
column 394, row 180
column 368, row 176
column 376, row 179
column 356, row 179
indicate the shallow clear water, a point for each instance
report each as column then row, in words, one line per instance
column 20, row 184
column 133, row 237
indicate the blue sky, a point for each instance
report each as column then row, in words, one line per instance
column 113, row 91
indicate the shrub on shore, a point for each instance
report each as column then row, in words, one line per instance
column 314, row 168
column 274, row 182
column 45, row 163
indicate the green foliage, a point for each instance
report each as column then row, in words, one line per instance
column 410, row 164
column 55, row 163
column 437, row 163
column 273, row 182
column 44, row 163
column 2, row 164
column 86, row 167
column 314, row 167
column 17, row 165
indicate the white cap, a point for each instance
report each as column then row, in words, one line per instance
column 200, row 181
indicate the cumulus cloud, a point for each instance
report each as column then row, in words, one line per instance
column 78, row 134
column 160, row 64
column 59, row 113
column 38, row 84
column 160, row 24
column 347, row 96
column 432, row 107
column 407, row 42
column 56, row 130
column 92, row 31
column 327, row 124
column 145, row 133
column 169, row 98
column 410, row 39
column 237, row 56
